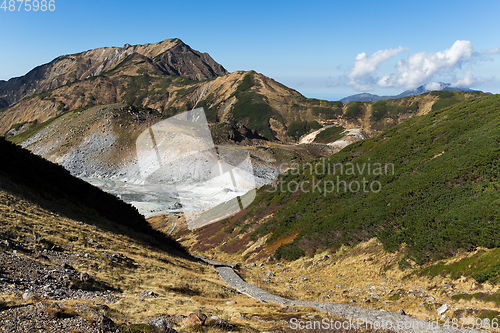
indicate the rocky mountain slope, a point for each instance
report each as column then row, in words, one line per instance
column 99, row 142
column 431, row 178
column 170, row 77
column 444, row 177
column 170, row 57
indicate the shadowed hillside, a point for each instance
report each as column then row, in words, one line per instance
column 52, row 187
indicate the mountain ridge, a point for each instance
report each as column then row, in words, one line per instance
column 171, row 57
column 367, row 97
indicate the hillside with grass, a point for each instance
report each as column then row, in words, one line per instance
column 427, row 188
column 75, row 259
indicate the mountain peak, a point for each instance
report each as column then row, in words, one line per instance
column 170, row 56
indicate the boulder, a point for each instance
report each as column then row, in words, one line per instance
column 443, row 309
column 219, row 322
column 161, row 326
column 67, row 266
column 195, row 319
column 84, row 277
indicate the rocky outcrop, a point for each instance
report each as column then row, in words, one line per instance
column 182, row 60
column 3, row 103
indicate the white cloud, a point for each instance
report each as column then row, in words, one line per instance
column 433, row 86
column 492, row 51
column 361, row 75
column 469, row 79
column 422, row 66
column 466, row 81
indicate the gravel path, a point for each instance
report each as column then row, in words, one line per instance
column 356, row 316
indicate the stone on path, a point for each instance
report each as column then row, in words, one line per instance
column 443, row 309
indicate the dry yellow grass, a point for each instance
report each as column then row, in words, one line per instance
column 182, row 286
column 352, row 275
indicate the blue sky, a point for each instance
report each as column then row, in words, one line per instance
column 323, row 49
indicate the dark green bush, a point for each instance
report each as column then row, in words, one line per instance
column 443, row 93
column 298, row 128
column 379, row 110
column 330, row 134
column 252, row 110
column 288, row 252
column 246, row 83
column 443, row 103
column 352, row 111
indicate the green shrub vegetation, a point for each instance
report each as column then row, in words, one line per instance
column 443, row 103
column 353, row 110
column 327, row 112
column 483, row 266
column 161, row 87
column 436, row 189
column 252, row 110
column 246, row 83
column 61, row 106
column 32, row 131
column 446, row 98
column 330, row 134
column 480, row 296
column 44, row 95
column 379, row 110
column 443, row 93
column 289, row 252
column 137, row 89
column 298, row 128
column 384, row 109
column 210, row 108
column 186, row 91
column 309, row 101
column 17, row 126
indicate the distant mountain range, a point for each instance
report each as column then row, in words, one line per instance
column 366, row 97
